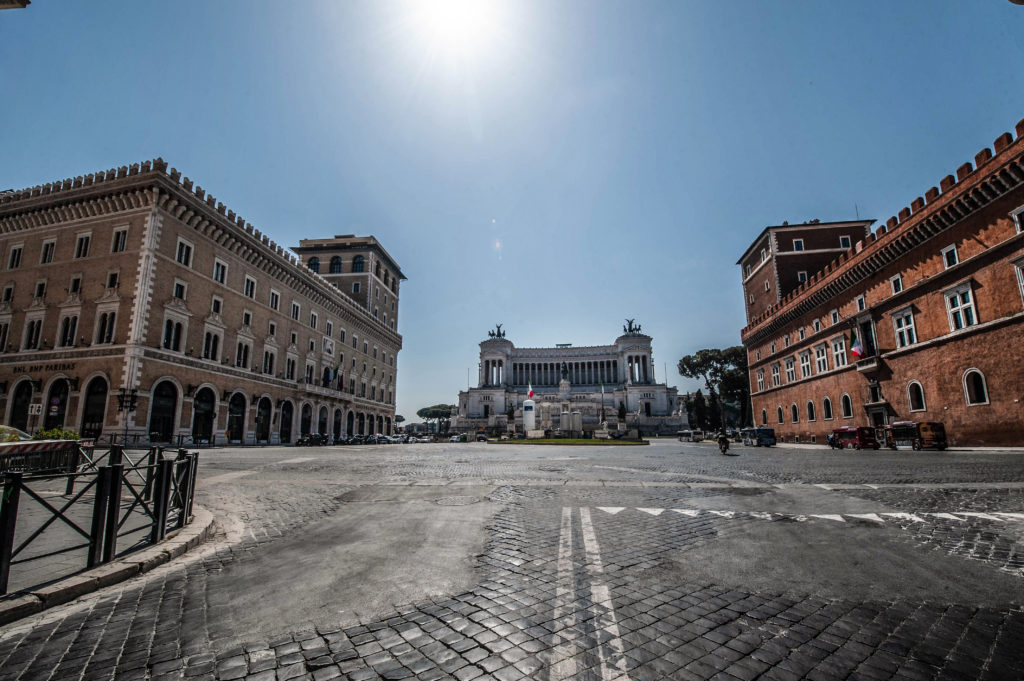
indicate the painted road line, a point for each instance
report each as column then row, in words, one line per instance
column 611, row 509
column 565, row 662
column 225, row 477
column 985, row 516
column 948, row 516
column 692, row 512
column 614, row 667
column 829, row 516
column 301, row 459
column 652, row 511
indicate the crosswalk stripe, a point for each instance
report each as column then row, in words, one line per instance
column 652, row 511
column 905, row 516
column 612, row 510
column 829, row 516
column 986, row 516
column 835, row 517
column 866, row 516
column 687, row 511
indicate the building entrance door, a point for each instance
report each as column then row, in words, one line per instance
column 19, row 405
column 161, row 414
column 236, row 418
column 877, row 417
column 202, row 416
column 263, row 420
column 286, row 422
column 95, row 408
column 56, row 405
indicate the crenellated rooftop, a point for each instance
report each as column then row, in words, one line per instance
column 151, row 184
column 974, row 186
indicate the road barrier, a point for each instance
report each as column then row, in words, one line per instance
column 150, row 496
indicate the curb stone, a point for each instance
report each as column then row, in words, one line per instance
column 117, row 571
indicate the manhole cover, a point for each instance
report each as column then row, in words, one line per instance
column 457, row 501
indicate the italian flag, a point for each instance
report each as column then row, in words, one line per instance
column 529, row 392
column 856, row 349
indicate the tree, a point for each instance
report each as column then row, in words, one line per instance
column 440, row 413
column 700, row 411
column 714, row 412
column 399, row 418
column 724, row 372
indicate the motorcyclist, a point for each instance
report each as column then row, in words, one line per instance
column 723, row 441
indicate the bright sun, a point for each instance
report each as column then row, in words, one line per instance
column 458, row 28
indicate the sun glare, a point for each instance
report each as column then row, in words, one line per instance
column 457, row 27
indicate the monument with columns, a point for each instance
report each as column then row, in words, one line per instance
column 610, row 387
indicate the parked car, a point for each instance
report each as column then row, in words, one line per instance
column 758, row 437
column 12, row 434
column 854, row 437
column 913, row 435
column 457, row 438
column 690, row 435
column 480, row 437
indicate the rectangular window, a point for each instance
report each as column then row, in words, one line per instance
column 272, row 330
column 844, row 242
column 960, row 304
column 801, row 332
column 220, row 271
column 329, row 327
column 14, row 262
column 839, row 352
column 904, row 325
column 68, row 328
column 82, row 245
column 748, row 270
column 760, row 380
column 798, row 244
column 289, row 369
column 817, row 325
column 834, row 316
column 771, row 348
column 805, row 365
column 341, row 335
column 295, row 311
column 896, row 283
column 801, row 276
column 1018, row 219
column 40, row 289
column 355, row 287
column 862, row 303
column 776, row 381
column 821, row 358
column 764, row 255
column 48, row 248
column 275, row 300
column 242, row 355
column 790, row 370
column 312, row 345
column 120, row 241
column 76, row 285
column 33, row 330
column 313, row 319
column 268, row 362
column 184, row 254
column 250, row 287
column 105, row 327
column 949, row 256
column 1018, row 268
column 785, row 340
column 112, row 282
column 247, row 318
column 216, row 305
column 179, row 290
column 294, row 338
column 767, row 286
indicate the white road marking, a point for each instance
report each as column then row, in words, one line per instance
column 724, row 514
column 866, row 516
column 948, row 516
column 565, row 664
column 611, row 509
column 760, row 515
column 829, row 516
column 613, row 668
column 225, row 477
column 692, row 512
column 1015, row 516
column 301, row 459
column 905, row 516
column 986, row 516
column 652, row 511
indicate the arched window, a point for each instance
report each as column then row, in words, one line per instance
column 336, row 265
column 794, row 413
column 780, row 414
column 358, row 264
column 826, row 409
column 314, row 264
column 377, row 270
column 974, row 387
column 915, row 395
column 764, row 417
column 847, row 406
column 810, row 410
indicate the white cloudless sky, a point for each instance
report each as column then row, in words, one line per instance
column 552, row 165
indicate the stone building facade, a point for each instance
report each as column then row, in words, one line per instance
column 596, row 381
column 933, row 299
column 136, row 279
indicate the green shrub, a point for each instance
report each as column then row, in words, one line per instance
column 56, row 434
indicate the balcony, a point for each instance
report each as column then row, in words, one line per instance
column 870, row 365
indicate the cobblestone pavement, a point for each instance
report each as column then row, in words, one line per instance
column 659, row 562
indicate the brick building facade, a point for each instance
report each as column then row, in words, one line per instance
column 934, row 298
column 133, row 278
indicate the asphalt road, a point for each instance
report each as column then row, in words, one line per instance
column 481, row 561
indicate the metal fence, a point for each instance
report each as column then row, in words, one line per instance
column 116, row 498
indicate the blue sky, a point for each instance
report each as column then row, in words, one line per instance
column 556, row 166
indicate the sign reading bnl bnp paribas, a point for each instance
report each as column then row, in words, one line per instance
column 32, row 368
